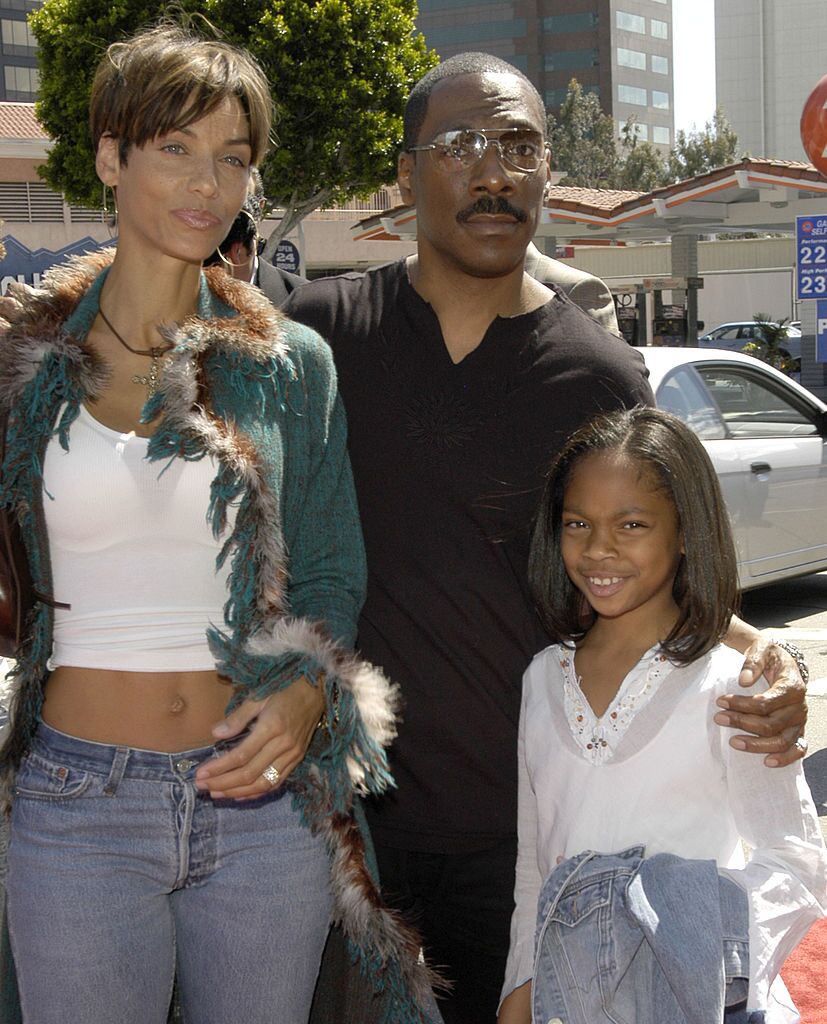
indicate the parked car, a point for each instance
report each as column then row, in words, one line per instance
column 735, row 336
column 767, row 438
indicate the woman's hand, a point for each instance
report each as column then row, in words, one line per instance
column 282, row 728
column 776, row 717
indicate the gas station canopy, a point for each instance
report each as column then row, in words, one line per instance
column 751, row 195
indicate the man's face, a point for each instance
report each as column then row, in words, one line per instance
column 479, row 219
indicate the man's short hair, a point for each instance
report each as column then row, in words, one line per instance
column 416, row 109
column 166, row 78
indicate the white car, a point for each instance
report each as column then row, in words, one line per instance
column 767, row 438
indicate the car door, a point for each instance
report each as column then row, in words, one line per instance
column 683, row 393
column 778, row 435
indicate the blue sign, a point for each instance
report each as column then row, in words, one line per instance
column 811, row 257
column 28, row 266
column 821, row 331
column 286, row 257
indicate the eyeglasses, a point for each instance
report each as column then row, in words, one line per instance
column 519, row 148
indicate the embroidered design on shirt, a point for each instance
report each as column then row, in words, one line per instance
column 598, row 738
column 441, row 421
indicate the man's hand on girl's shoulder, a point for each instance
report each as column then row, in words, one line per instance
column 776, row 717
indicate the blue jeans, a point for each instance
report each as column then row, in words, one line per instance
column 119, row 872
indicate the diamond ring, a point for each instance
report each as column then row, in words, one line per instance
column 272, row 774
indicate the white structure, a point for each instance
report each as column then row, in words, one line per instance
column 769, row 54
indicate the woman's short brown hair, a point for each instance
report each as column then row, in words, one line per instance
column 165, row 78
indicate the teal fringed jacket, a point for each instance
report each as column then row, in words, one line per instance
column 257, row 392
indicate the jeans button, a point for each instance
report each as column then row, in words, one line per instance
column 184, row 764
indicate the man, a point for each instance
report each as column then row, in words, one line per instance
column 461, row 375
column 240, row 251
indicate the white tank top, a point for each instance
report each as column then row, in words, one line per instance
column 132, row 552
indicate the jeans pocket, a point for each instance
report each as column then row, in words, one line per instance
column 41, row 779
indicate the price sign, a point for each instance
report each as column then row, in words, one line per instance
column 821, row 331
column 811, row 258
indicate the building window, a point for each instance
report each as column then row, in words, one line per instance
column 570, row 60
column 22, row 5
column 571, row 22
column 22, row 84
column 631, row 58
column 660, row 100
column 660, row 65
column 659, row 29
column 661, row 1
column 662, row 136
column 631, row 22
column 18, row 40
column 631, row 94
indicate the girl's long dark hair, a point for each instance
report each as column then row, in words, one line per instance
column 706, row 584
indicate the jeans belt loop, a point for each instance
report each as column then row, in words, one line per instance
column 117, row 770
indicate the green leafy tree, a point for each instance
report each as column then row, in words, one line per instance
column 582, row 141
column 340, row 71
column 584, row 148
column 715, row 145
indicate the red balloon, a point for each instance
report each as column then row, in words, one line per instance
column 814, row 126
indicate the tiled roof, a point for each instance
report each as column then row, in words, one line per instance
column 602, row 198
column 17, row 121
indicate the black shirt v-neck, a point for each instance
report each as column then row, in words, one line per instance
column 448, row 460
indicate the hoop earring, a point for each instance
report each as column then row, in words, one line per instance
column 226, row 262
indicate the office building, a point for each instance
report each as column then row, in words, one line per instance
column 769, row 55
column 18, row 52
column 619, row 49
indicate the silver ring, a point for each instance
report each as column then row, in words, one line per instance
column 272, row 774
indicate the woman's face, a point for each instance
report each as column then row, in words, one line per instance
column 178, row 194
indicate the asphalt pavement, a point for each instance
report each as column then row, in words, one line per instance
column 797, row 611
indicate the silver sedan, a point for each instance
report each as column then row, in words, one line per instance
column 767, row 438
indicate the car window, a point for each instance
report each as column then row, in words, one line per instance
column 728, row 335
column 683, row 394
column 753, row 404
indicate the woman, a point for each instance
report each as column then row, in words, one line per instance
column 176, row 456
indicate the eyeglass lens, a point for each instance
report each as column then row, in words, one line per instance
column 520, row 148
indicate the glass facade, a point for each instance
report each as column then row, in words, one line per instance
column 567, row 23
column 571, row 60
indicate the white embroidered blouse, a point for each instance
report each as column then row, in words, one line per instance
column 655, row 769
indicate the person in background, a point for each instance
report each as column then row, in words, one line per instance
column 629, row 797
column 461, row 375
column 240, row 252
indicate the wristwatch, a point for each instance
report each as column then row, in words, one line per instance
column 796, row 654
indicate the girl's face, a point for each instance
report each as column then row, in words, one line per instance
column 179, row 194
column 620, row 541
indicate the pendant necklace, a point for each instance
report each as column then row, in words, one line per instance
column 150, row 380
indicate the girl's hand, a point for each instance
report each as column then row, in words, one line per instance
column 282, row 728
column 776, row 717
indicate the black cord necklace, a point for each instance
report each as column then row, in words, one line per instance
column 150, row 380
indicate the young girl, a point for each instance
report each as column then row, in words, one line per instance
column 633, row 570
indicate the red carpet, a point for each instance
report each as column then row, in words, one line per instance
column 805, row 975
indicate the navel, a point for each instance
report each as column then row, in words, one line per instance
column 177, row 706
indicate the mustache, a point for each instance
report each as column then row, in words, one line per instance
column 492, row 205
